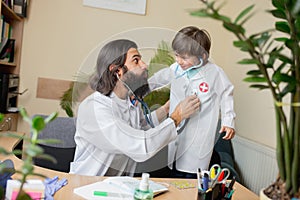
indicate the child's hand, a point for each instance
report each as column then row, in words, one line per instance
column 230, row 132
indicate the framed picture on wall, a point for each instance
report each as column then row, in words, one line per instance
column 130, row 6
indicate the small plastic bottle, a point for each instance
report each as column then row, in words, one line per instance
column 143, row 192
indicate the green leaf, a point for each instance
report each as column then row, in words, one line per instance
column 51, row 117
column 279, row 77
column 27, row 167
column 254, row 72
column 69, row 111
column 263, row 39
column 200, row 13
column 13, row 135
column 1, row 117
column 258, row 86
column 278, row 14
column 48, row 141
column 240, row 43
column 24, row 115
column 66, row 100
column 243, row 13
column 4, row 151
column 284, row 58
column 278, row 4
column 17, row 152
column 34, row 150
column 283, row 27
column 255, row 79
column 38, row 123
column 281, row 39
column 234, row 28
column 248, row 61
column 291, row 44
column 287, row 89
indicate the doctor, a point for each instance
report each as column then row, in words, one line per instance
column 112, row 132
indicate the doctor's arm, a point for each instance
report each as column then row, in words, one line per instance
column 141, row 145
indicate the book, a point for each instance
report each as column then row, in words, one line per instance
column 7, row 53
column 1, row 27
column 120, row 187
column 20, row 7
column 3, row 44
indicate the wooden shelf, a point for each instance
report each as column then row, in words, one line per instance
column 3, row 63
column 9, row 13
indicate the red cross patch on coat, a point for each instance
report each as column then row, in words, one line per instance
column 203, row 87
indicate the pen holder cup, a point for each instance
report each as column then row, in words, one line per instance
column 213, row 194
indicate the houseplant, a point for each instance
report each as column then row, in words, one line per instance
column 277, row 61
column 31, row 148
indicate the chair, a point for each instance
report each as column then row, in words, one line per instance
column 224, row 149
column 63, row 129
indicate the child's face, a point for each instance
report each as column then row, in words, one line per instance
column 186, row 61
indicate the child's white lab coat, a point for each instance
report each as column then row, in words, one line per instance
column 110, row 137
column 193, row 147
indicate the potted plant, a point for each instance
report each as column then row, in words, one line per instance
column 277, row 61
column 31, row 148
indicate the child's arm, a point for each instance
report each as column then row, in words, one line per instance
column 160, row 79
column 227, row 107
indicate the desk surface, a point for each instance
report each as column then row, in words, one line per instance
column 75, row 181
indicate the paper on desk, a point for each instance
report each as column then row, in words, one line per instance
column 87, row 191
column 119, row 185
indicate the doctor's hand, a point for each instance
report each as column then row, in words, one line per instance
column 185, row 109
column 230, row 132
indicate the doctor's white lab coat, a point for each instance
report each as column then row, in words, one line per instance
column 193, row 147
column 111, row 135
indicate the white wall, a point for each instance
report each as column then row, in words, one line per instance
column 59, row 34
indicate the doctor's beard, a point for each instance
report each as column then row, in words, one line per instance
column 137, row 83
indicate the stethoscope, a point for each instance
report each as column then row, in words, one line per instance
column 145, row 108
column 178, row 75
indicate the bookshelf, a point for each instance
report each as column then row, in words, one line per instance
column 17, row 23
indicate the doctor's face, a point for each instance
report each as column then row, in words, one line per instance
column 137, row 75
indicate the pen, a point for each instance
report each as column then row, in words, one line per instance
column 199, row 178
column 232, row 183
column 110, row 194
column 205, row 181
column 230, row 190
column 229, row 194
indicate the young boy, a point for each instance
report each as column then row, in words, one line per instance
column 193, row 73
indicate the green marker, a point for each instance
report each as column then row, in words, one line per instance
column 111, row 194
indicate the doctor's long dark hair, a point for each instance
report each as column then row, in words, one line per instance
column 113, row 53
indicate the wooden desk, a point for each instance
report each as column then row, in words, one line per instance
column 74, row 181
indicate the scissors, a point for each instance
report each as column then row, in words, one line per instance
column 218, row 175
